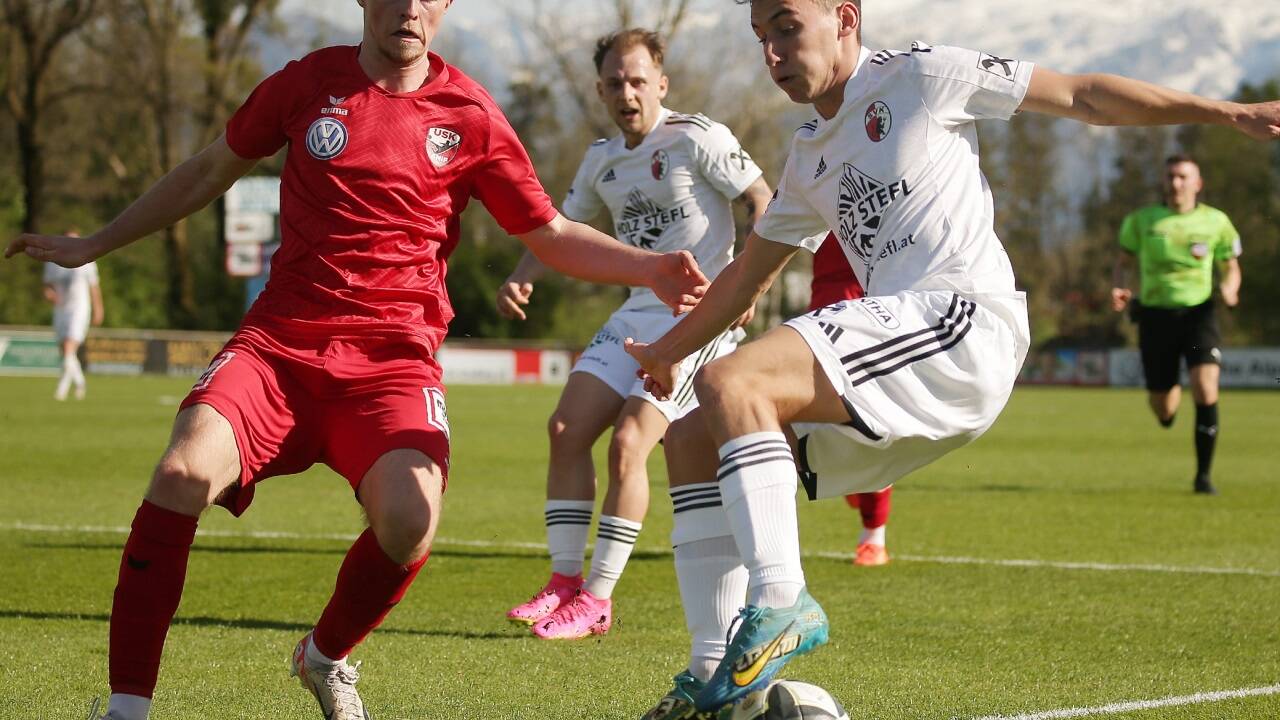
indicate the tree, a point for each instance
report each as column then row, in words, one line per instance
column 36, row 30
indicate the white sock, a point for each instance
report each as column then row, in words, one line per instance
column 68, row 374
column 615, row 539
column 317, row 659
column 875, row 536
column 758, row 483
column 568, row 522
column 129, row 707
column 713, row 582
column 77, row 378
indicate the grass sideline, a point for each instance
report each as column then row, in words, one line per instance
column 1066, row 476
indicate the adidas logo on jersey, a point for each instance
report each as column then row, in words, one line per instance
column 609, row 176
column 822, row 168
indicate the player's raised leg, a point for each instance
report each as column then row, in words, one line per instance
column 638, row 428
column 201, row 461
column 401, row 494
column 587, row 407
column 747, row 398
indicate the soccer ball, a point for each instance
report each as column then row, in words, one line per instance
column 787, row 700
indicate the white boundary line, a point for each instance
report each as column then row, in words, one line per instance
column 513, row 545
column 1136, row 705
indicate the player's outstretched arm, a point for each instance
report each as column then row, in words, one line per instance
column 1229, row 286
column 583, row 252
column 184, row 190
column 1121, row 293
column 736, row 288
column 1101, row 99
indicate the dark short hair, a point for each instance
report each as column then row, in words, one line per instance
column 1177, row 158
column 827, row 4
column 627, row 39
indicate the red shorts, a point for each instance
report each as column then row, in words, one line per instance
column 341, row 401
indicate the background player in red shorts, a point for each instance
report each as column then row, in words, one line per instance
column 833, row 281
column 334, row 363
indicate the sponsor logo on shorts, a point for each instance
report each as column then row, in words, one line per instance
column 326, row 138
column 442, row 145
column 879, row 313
column 437, row 415
column 219, row 361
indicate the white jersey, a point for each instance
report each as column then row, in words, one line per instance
column 673, row 191
column 895, row 172
column 72, row 286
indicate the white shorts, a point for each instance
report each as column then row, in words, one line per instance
column 73, row 325
column 921, row 373
column 606, row 358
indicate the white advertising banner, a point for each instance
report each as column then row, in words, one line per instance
column 1241, row 368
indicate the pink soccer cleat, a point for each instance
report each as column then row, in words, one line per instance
column 871, row 555
column 584, row 615
column 558, row 590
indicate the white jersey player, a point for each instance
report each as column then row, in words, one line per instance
column 668, row 181
column 874, row 387
column 77, row 301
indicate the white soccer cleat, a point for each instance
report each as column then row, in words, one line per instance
column 334, row 686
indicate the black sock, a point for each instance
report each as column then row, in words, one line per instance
column 1206, row 437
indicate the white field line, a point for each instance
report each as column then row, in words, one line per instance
column 1137, row 705
column 512, row 545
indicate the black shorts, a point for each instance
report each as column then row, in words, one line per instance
column 1167, row 335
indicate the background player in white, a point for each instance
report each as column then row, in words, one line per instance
column 668, row 182
column 77, row 301
column 920, row 366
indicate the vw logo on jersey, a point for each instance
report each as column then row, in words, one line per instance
column 878, row 121
column 660, row 164
column 442, row 145
column 326, row 138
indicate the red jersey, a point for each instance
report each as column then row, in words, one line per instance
column 373, row 187
column 833, row 279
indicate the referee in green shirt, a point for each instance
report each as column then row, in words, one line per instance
column 1176, row 246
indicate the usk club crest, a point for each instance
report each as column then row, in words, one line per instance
column 442, row 145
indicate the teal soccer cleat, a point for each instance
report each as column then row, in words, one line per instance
column 677, row 704
column 767, row 639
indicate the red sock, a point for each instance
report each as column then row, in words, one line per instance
column 874, row 507
column 369, row 585
column 152, row 571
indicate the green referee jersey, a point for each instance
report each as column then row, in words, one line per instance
column 1176, row 252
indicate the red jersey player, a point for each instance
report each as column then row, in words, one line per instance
column 334, row 363
column 833, row 281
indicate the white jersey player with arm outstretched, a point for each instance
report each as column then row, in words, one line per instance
column 873, row 387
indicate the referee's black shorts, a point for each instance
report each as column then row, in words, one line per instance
column 1167, row 335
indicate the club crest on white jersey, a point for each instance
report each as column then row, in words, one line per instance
column 442, row 145
column 326, row 138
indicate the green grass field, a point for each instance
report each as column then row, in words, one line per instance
column 1132, row 588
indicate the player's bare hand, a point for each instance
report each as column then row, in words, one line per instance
column 1120, row 298
column 1230, row 296
column 64, row 250
column 678, row 281
column 744, row 319
column 659, row 375
column 511, row 296
column 1260, row 121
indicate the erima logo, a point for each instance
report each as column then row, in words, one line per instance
column 335, row 110
column 860, row 207
column 822, row 168
column 643, row 221
column 326, row 138
column 998, row 66
column 336, row 100
column 879, row 313
column 609, row 176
